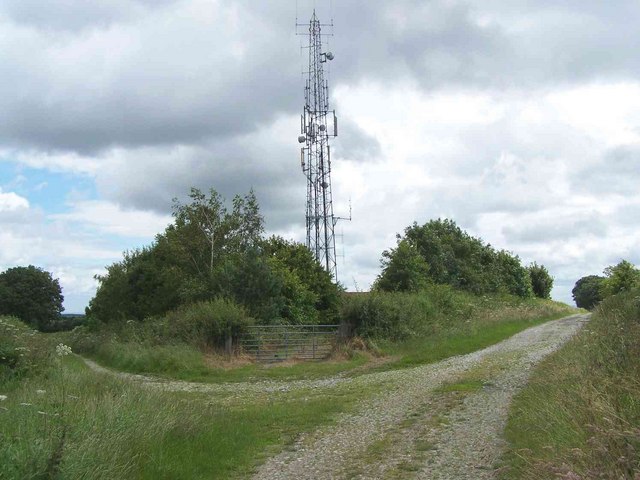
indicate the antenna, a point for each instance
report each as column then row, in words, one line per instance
column 317, row 125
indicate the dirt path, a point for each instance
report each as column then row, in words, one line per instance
column 438, row 421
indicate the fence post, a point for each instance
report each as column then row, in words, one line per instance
column 313, row 340
column 286, row 344
column 228, row 344
column 259, row 337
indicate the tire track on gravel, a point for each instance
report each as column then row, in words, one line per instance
column 466, row 446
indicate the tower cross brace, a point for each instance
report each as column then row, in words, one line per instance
column 317, row 125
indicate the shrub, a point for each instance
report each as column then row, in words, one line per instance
column 441, row 252
column 541, row 281
column 403, row 269
column 388, row 315
column 622, row 277
column 308, row 287
column 587, row 292
column 210, row 252
column 20, row 350
column 207, row 323
column 32, row 295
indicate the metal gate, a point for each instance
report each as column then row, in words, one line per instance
column 277, row 343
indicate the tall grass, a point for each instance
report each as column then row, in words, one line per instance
column 579, row 416
column 415, row 327
column 440, row 322
column 64, row 421
column 398, row 316
column 186, row 362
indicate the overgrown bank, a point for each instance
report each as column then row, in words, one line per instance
column 440, row 321
column 59, row 420
column 579, row 417
column 410, row 328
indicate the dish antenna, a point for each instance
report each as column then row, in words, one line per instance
column 315, row 155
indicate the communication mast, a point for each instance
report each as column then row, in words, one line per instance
column 317, row 125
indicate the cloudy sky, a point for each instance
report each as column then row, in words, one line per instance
column 519, row 119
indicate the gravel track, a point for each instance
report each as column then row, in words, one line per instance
column 464, row 446
column 236, row 389
column 412, row 429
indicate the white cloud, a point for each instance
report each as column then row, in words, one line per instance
column 505, row 167
column 53, row 161
column 108, row 218
column 608, row 113
column 11, row 202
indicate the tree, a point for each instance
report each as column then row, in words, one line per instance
column 186, row 263
column 204, row 231
column 510, row 275
column 451, row 256
column 209, row 252
column 587, row 292
column 622, row 277
column 32, row 295
column 403, row 269
column 541, row 281
column 303, row 273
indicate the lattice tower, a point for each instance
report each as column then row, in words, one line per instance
column 317, row 125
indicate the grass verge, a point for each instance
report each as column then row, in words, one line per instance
column 184, row 362
column 64, row 422
column 579, row 416
column 409, row 328
column 479, row 322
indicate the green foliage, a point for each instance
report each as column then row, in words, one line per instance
column 403, row 269
column 32, row 295
column 142, row 284
column 207, row 323
column 579, row 415
column 592, row 289
column 204, row 233
column 622, row 277
column 21, row 350
column 70, row 422
column 251, row 281
column 441, row 252
column 393, row 316
column 435, row 310
column 66, row 322
column 587, row 292
column 541, row 280
column 453, row 256
column 416, row 328
column 510, row 277
column 118, row 430
column 310, row 284
column 184, row 263
column 460, row 339
column 138, row 347
column 210, row 252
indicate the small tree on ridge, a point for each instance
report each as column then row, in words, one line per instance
column 32, row 295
